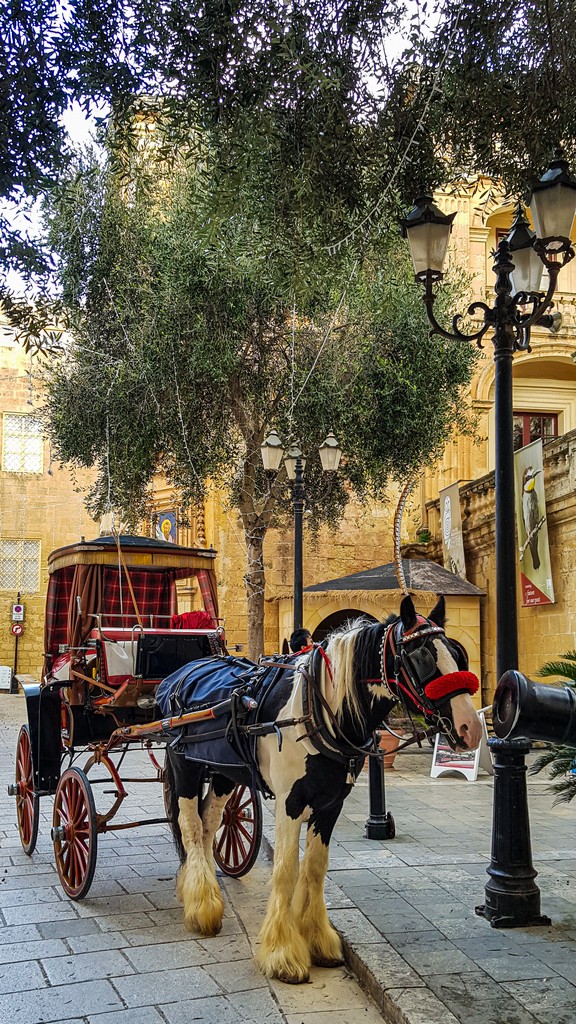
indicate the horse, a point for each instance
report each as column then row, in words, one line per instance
column 361, row 672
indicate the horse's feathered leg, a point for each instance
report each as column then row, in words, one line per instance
column 309, row 905
column 283, row 951
column 196, row 883
column 212, row 808
column 197, row 886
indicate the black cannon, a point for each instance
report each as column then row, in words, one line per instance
column 536, row 711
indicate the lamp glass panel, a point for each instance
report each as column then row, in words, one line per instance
column 271, row 453
column 528, row 270
column 290, row 463
column 330, row 454
column 553, row 211
column 428, row 246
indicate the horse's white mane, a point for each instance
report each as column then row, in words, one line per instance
column 340, row 651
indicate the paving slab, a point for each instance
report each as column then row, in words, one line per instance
column 405, row 908
column 123, row 954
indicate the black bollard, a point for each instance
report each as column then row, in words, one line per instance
column 380, row 823
column 512, row 896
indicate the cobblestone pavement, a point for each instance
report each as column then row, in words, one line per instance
column 122, row 955
column 406, row 906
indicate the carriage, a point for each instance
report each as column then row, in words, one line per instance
column 112, row 633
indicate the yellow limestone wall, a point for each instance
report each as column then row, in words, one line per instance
column 363, row 539
column 33, row 506
column 544, row 632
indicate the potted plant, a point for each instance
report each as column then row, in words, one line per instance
column 390, row 741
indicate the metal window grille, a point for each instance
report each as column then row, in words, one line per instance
column 20, row 566
column 23, row 444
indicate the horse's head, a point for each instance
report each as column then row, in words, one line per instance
column 429, row 671
column 407, row 658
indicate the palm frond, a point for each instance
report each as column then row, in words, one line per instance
column 554, row 755
column 566, row 668
column 560, row 761
column 565, row 791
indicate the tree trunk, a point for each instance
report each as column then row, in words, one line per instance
column 255, row 580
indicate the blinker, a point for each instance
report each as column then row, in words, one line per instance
column 421, row 664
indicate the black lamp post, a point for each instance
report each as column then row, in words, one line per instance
column 272, row 451
column 512, row 897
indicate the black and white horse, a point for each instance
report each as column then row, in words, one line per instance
column 364, row 669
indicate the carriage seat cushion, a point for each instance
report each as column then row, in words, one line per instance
column 192, row 620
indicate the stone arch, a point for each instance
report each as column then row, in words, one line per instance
column 338, row 618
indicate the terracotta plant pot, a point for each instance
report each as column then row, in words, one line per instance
column 390, row 744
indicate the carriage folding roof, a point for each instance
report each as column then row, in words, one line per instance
column 143, row 553
column 90, row 570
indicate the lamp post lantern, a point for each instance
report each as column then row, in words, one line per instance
column 272, row 451
column 512, row 897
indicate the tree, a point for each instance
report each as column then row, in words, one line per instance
column 190, row 340
column 304, row 88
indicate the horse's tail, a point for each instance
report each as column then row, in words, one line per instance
column 171, row 806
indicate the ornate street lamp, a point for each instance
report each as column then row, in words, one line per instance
column 512, row 897
column 272, row 451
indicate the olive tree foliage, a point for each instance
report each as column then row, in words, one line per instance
column 189, row 342
column 505, row 99
column 305, row 91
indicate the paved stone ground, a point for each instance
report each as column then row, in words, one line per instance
column 122, row 955
column 406, row 906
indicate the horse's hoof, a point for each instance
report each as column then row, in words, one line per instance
column 293, row 979
column 325, row 961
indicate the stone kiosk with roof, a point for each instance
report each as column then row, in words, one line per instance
column 374, row 593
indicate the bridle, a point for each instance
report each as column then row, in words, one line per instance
column 415, row 672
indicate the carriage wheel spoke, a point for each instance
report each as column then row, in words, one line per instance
column 244, row 831
column 27, row 811
column 75, row 854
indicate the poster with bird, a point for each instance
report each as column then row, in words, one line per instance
column 532, row 527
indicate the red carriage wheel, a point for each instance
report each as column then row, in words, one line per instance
column 237, row 842
column 27, row 802
column 74, row 833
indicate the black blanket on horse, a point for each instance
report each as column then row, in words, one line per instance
column 236, row 688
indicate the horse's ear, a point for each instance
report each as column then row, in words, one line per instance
column 408, row 612
column 438, row 613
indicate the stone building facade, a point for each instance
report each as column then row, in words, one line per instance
column 544, row 631
column 41, row 508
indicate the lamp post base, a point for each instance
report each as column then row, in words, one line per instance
column 512, row 896
column 380, row 823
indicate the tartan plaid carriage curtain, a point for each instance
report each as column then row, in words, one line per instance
column 98, row 587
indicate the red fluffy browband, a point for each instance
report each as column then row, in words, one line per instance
column 451, row 683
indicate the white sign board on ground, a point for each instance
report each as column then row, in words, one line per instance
column 5, row 677
column 466, row 762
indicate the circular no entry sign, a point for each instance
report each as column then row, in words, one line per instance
column 17, row 629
